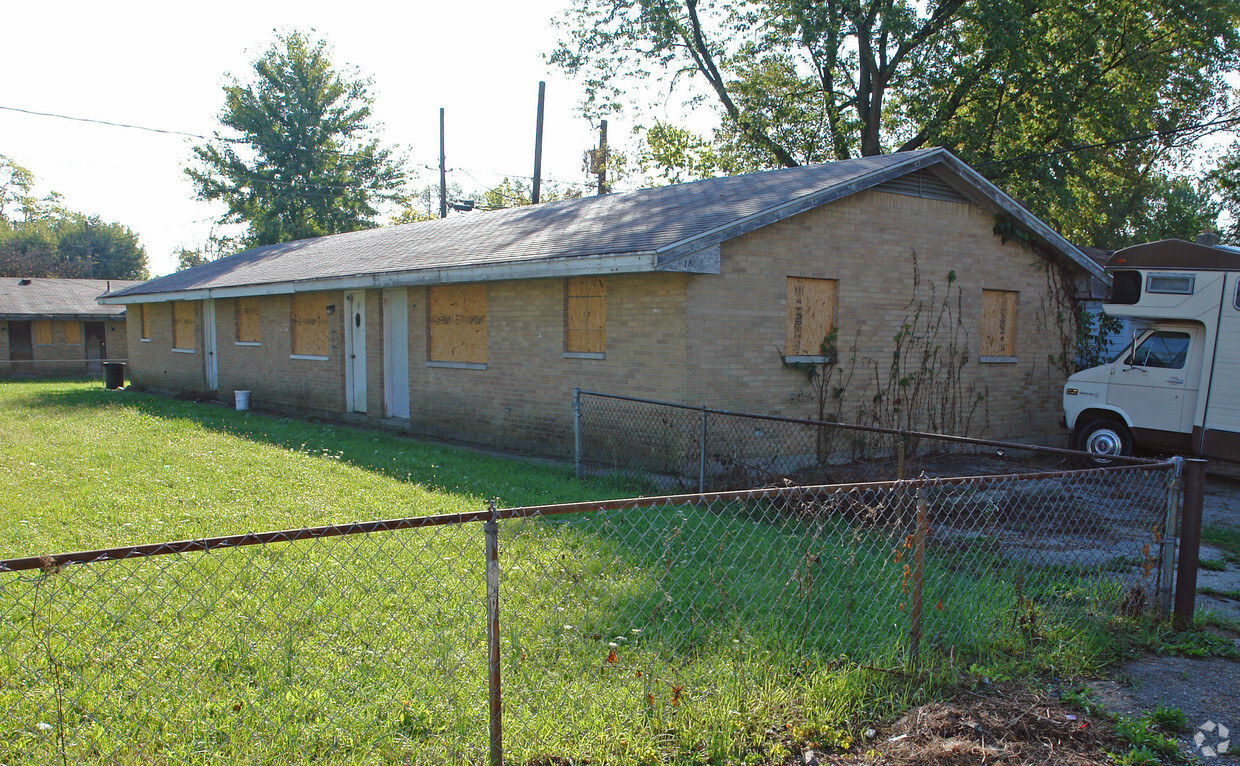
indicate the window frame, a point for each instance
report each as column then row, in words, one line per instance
column 298, row 348
column 238, row 340
column 800, row 353
column 191, row 306
column 1008, row 312
column 592, row 293
column 35, row 326
column 1191, row 279
column 457, row 297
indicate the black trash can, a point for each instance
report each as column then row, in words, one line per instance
column 113, row 375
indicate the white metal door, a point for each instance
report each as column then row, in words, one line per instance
column 396, row 352
column 208, row 344
column 355, row 351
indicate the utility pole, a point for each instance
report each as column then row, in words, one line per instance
column 538, row 136
column 90, row 253
column 602, row 157
column 443, row 173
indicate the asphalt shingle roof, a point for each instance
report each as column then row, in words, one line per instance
column 638, row 222
column 64, row 298
column 629, row 222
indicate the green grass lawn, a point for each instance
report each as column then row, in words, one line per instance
column 677, row 634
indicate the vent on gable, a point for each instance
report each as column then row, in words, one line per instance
column 922, row 184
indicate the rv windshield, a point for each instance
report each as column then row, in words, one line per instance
column 1163, row 349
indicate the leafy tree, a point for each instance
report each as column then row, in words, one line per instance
column 304, row 162
column 797, row 81
column 1226, row 178
column 39, row 237
column 217, row 246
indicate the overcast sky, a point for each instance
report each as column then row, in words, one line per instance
column 163, row 64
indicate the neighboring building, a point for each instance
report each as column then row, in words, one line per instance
column 479, row 326
column 56, row 327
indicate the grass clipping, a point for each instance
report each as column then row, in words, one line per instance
column 1012, row 726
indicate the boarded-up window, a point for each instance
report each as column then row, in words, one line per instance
column 42, row 332
column 998, row 323
column 310, row 337
column 586, row 330
column 73, row 333
column 810, row 315
column 184, row 317
column 458, row 323
column 248, row 320
column 145, row 310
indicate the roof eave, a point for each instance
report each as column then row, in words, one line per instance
column 607, row 263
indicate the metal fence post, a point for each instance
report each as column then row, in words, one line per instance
column 1190, row 543
column 1166, row 572
column 577, row 430
column 900, row 456
column 491, row 531
column 919, row 563
column 702, row 455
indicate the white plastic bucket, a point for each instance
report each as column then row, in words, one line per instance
column 243, row 400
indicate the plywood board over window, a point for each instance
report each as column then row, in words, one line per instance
column 184, row 318
column 310, row 336
column 248, row 321
column 73, row 333
column 42, row 332
column 146, row 320
column 810, row 315
column 586, row 316
column 998, row 323
column 457, row 321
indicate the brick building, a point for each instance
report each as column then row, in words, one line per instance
column 479, row 326
column 55, row 326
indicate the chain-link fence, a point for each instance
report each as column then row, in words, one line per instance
column 632, row 631
column 704, row 449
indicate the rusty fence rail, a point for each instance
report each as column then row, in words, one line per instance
column 704, row 448
column 626, row 631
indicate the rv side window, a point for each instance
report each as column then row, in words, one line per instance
column 1126, row 287
column 1162, row 349
column 1176, row 284
column 1235, row 301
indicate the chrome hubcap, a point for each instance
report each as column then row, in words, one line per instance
column 1104, row 441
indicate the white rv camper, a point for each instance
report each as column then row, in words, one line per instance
column 1176, row 386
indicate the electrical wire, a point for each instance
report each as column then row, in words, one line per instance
column 1113, row 142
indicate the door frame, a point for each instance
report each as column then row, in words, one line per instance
column 211, row 369
column 355, row 351
column 396, row 352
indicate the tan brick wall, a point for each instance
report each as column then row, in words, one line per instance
column 866, row 242
column 153, row 363
column 524, row 396
column 692, row 339
column 268, row 370
column 61, row 357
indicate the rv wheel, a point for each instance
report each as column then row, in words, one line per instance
column 1105, row 438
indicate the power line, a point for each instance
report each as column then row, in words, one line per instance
column 200, row 136
column 1113, row 142
column 169, row 132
